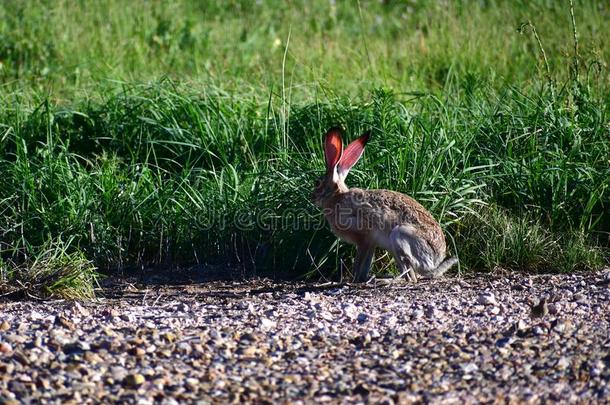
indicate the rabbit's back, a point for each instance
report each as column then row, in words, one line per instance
column 377, row 212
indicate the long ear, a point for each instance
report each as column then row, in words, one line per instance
column 333, row 147
column 351, row 155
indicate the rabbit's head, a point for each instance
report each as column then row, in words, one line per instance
column 338, row 164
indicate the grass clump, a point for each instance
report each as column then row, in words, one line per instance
column 54, row 271
column 495, row 239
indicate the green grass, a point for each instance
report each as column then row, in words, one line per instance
column 57, row 270
column 171, row 135
column 502, row 240
column 69, row 49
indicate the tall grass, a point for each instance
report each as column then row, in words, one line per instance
column 156, row 175
column 216, row 165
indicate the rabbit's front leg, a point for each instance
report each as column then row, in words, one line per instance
column 362, row 263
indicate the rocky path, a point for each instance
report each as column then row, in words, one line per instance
column 453, row 340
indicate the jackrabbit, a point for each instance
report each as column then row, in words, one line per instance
column 372, row 218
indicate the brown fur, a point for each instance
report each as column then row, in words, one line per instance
column 381, row 209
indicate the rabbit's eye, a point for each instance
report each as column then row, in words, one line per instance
column 318, row 183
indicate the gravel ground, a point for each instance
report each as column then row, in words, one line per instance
column 510, row 338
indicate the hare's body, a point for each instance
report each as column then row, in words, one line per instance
column 359, row 214
column 379, row 218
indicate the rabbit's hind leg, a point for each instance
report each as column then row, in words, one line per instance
column 410, row 251
column 401, row 251
column 404, row 266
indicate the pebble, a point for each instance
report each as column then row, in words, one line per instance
column 362, row 318
column 5, row 348
column 351, row 311
column 267, row 324
column 470, row 368
column 563, row 363
column 495, row 310
column 487, row 298
column 431, row 312
column 64, row 322
column 134, row 380
column 191, row 383
column 118, row 373
column 436, row 341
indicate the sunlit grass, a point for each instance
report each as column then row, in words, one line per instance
column 71, row 48
column 162, row 176
column 54, row 270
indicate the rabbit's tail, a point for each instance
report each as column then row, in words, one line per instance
column 440, row 269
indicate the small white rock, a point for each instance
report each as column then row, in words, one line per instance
column 351, row 311
column 563, row 363
column 469, row 368
column 267, row 324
